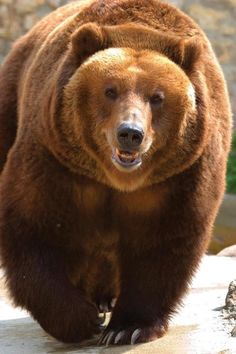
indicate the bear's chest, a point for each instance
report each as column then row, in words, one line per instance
column 103, row 217
column 105, row 210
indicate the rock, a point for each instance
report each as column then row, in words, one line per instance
column 207, row 17
column 177, row 3
column 229, row 311
column 228, row 252
column 27, row 6
column 56, row 3
column 233, row 332
column 230, row 301
column 29, row 21
column 43, row 11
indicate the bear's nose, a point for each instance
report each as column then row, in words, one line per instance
column 130, row 136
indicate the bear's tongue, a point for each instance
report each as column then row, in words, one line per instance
column 126, row 156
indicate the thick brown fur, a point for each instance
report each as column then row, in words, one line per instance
column 75, row 230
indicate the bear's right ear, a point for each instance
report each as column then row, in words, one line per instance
column 87, row 40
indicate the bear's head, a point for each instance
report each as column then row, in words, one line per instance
column 131, row 114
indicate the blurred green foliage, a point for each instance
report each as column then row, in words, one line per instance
column 231, row 168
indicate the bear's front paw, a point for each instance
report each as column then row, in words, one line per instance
column 132, row 334
column 76, row 321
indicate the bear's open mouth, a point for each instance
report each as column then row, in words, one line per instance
column 126, row 160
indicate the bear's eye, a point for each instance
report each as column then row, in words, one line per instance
column 157, row 99
column 111, row 93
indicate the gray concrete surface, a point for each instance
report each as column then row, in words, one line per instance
column 199, row 328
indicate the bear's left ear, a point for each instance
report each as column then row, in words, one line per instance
column 87, row 40
column 184, row 52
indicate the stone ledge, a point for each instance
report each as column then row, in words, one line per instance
column 199, row 328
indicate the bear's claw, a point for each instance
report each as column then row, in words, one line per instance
column 131, row 335
column 106, row 305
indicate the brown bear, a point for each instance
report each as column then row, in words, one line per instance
column 114, row 129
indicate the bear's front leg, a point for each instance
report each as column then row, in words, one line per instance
column 159, row 254
column 38, row 224
column 152, row 283
column 37, row 280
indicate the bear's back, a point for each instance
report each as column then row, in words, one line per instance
column 152, row 13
